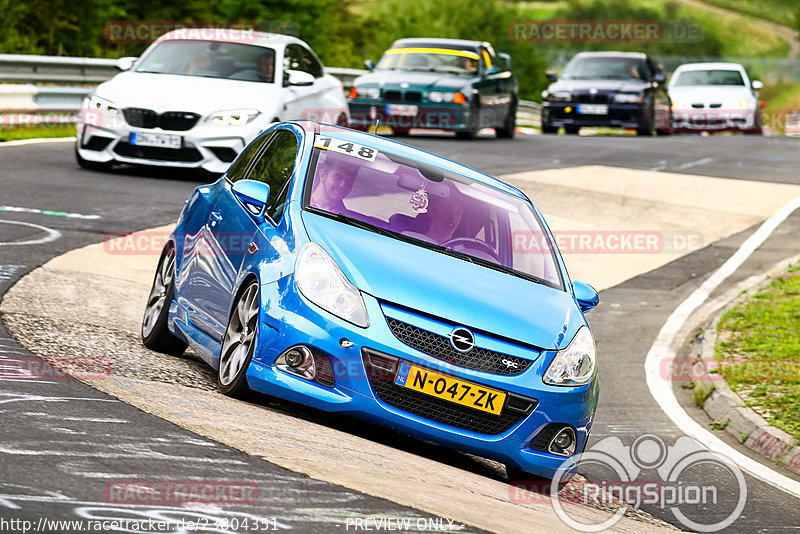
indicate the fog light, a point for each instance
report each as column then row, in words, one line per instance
column 563, row 443
column 294, row 358
column 299, row 361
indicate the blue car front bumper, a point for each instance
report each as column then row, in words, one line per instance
column 357, row 391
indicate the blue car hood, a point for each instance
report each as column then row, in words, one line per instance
column 447, row 287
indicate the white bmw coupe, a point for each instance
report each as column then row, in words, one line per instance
column 196, row 103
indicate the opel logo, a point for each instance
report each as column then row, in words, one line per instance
column 462, row 340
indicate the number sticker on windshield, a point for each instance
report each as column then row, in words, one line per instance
column 345, row 147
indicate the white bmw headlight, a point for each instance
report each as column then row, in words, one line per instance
column 322, row 282
column 101, row 104
column 576, row 364
column 559, row 96
column 233, row 117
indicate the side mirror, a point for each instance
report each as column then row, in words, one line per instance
column 660, row 77
column 586, row 296
column 298, row 78
column 369, row 64
column 757, row 85
column 551, row 76
column 505, row 58
column 125, row 63
column 254, row 195
column 494, row 69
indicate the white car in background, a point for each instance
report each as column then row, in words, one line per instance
column 714, row 97
column 196, row 103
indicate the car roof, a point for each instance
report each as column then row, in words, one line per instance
column 413, row 153
column 225, row 35
column 440, row 43
column 710, row 66
column 636, row 55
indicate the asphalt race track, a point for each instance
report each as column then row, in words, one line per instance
column 53, row 465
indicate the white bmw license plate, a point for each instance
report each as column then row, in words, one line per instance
column 593, row 109
column 154, row 139
column 401, row 109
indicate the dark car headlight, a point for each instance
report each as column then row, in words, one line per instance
column 629, row 98
column 559, row 96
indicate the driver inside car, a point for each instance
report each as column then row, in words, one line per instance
column 445, row 216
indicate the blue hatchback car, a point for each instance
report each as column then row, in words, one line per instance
column 356, row 274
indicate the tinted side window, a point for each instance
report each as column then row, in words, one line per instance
column 242, row 163
column 299, row 58
column 274, row 167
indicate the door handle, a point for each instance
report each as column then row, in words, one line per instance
column 216, row 216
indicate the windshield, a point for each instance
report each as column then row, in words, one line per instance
column 430, row 207
column 431, row 60
column 602, row 68
column 709, row 77
column 231, row 61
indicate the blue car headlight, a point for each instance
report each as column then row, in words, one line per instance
column 574, row 365
column 322, row 282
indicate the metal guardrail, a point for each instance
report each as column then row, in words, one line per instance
column 21, row 74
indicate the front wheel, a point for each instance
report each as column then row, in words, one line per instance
column 509, row 128
column 239, row 343
column 572, row 130
column 155, row 333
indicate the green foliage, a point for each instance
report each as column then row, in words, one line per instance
column 759, row 349
column 669, row 11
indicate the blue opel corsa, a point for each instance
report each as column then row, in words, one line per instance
column 355, row 274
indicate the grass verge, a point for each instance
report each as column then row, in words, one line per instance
column 758, row 345
column 36, row 132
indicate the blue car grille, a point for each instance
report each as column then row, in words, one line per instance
column 439, row 347
column 381, row 369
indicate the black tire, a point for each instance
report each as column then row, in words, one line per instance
column 548, row 129
column 92, row 165
column 646, row 127
column 239, row 333
column 341, row 120
column 572, row 130
column 509, row 128
column 400, row 132
column 155, row 332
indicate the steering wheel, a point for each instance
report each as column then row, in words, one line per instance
column 460, row 243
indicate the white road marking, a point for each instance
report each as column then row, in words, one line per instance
column 41, row 140
column 690, row 164
column 8, row 271
column 52, row 235
column 662, row 351
column 18, row 209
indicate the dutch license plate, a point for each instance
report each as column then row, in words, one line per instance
column 401, row 109
column 450, row 389
column 593, row 109
column 153, row 139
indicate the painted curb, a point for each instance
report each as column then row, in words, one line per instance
column 727, row 408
